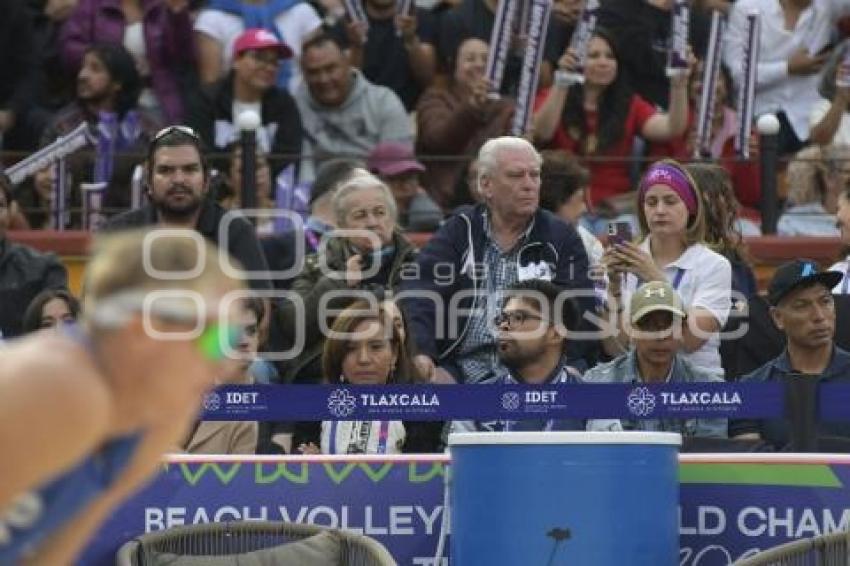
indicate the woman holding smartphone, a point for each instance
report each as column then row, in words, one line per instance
column 672, row 248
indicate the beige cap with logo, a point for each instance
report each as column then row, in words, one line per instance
column 655, row 296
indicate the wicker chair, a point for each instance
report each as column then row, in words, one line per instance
column 253, row 542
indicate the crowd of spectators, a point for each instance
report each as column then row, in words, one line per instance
column 483, row 300
column 326, row 86
column 372, row 130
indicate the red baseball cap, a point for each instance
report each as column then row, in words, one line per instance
column 392, row 158
column 259, row 38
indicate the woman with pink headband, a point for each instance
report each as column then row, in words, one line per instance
column 672, row 248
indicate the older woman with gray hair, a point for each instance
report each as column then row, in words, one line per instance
column 814, row 181
column 366, row 252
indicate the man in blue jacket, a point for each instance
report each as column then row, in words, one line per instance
column 457, row 288
column 804, row 309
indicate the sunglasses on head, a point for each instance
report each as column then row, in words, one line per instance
column 176, row 128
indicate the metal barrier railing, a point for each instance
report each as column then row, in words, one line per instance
column 825, row 550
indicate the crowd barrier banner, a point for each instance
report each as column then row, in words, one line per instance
column 505, row 402
column 731, row 505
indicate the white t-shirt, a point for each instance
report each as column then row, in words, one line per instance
column 362, row 437
column 843, row 287
column 294, row 26
column 703, row 278
column 842, row 134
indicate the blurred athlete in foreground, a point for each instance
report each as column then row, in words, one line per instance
column 87, row 412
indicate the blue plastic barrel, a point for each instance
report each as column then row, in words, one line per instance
column 571, row 498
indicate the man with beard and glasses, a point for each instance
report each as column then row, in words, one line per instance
column 107, row 96
column 177, row 178
column 532, row 341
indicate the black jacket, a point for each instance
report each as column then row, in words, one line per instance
column 24, row 273
column 279, row 114
column 241, row 238
column 445, row 268
column 18, row 64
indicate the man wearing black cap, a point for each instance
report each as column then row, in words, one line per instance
column 802, row 307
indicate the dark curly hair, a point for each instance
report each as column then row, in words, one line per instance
column 613, row 106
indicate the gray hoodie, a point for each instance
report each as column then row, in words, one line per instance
column 371, row 114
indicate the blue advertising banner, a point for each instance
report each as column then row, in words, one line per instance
column 731, row 505
column 506, row 402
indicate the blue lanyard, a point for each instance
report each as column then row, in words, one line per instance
column 845, row 285
column 677, row 279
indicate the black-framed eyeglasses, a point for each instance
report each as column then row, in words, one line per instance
column 514, row 318
column 176, row 128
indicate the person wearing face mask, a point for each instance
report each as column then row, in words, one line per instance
column 366, row 349
column 601, row 118
column 672, row 248
column 456, row 119
column 368, row 252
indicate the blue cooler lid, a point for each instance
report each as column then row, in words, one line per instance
column 559, row 437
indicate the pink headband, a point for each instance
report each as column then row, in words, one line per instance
column 672, row 177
